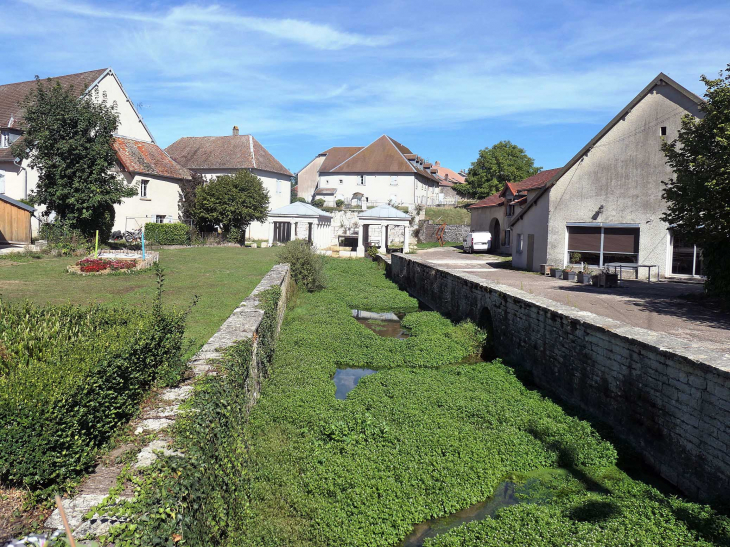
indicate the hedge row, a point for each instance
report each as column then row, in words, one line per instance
column 69, row 377
column 176, row 233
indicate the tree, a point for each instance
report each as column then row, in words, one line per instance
column 188, row 189
column 68, row 140
column 698, row 197
column 503, row 162
column 231, row 201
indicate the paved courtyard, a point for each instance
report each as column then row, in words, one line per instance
column 670, row 307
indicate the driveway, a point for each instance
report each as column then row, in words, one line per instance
column 672, row 307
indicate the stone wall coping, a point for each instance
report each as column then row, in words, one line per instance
column 657, row 341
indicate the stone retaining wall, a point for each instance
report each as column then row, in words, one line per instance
column 670, row 399
column 452, row 232
column 162, row 411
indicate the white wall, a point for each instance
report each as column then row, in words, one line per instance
column 402, row 189
column 307, row 178
column 535, row 222
column 278, row 186
column 130, row 124
column 162, row 199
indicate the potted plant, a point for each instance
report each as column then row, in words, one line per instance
column 568, row 273
column 607, row 279
column 555, row 272
column 585, row 275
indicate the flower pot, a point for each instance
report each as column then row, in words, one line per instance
column 568, row 275
column 545, row 269
column 584, row 278
column 608, row 280
column 554, row 272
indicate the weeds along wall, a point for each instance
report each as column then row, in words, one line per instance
column 70, row 376
column 201, row 495
column 666, row 397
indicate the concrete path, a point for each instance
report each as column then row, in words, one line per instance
column 670, row 307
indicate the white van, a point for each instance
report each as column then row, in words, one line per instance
column 477, row 241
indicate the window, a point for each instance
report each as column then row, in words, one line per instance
column 342, row 181
column 686, row 258
column 598, row 245
column 4, row 139
column 394, row 180
column 519, row 243
column 510, row 210
column 278, row 187
column 2, row 182
column 361, row 180
column 663, row 131
column 143, row 188
column 160, row 219
column 507, row 237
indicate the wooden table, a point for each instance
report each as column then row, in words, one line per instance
column 620, row 266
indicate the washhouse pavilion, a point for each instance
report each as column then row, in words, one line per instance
column 383, row 216
column 300, row 220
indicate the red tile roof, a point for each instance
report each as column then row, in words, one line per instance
column 530, row 183
column 449, row 175
column 11, row 95
column 147, row 158
column 231, row 152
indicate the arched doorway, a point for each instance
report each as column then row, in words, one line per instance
column 494, row 229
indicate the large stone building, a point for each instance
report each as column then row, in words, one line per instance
column 141, row 162
column 216, row 156
column 605, row 205
column 384, row 172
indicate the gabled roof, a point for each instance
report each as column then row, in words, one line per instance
column 449, row 176
column 384, row 155
column 492, row 201
column 384, row 211
column 147, row 158
column 231, row 152
column 336, row 155
column 12, row 95
column 661, row 79
column 530, row 183
column 19, row 204
column 299, row 209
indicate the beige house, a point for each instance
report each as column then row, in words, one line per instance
column 152, row 169
column 605, row 205
column 384, row 172
column 216, row 156
column 492, row 214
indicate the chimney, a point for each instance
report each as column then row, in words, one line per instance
column 235, row 130
column 437, row 164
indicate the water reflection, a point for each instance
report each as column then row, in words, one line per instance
column 347, row 378
column 383, row 324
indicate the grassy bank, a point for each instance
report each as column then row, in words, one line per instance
column 220, row 276
column 419, row 440
column 449, row 215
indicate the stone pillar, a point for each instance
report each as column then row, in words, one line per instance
column 406, row 235
column 382, row 249
column 271, row 233
column 293, row 230
column 360, row 246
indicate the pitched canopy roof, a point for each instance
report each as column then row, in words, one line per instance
column 147, row 158
column 384, row 211
column 12, row 95
column 530, row 183
column 230, row 152
column 384, row 155
column 299, row 209
column 661, row 79
column 16, row 203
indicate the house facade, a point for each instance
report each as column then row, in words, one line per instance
column 493, row 213
column 605, row 205
column 216, row 156
column 384, row 172
column 160, row 172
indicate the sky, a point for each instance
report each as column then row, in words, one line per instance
column 446, row 79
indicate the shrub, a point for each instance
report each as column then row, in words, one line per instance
column 319, row 202
column 339, row 203
column 72, row 376
column 299, row 199
column 175, row 233
column 62, row 238
column 373, row 251
column 307, row 267
column 236, row 235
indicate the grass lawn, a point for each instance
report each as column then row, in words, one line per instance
column 220, row 276
column 434, row 244
column 449, row 215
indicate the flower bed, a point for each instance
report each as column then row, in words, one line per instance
column 108, row 263
column 94, row 265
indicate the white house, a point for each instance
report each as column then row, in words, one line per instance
column 605, row 205
column 384, row 172
column 216, row 156
column 152, row 171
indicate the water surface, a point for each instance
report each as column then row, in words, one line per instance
column 347, row 378
column 383, row 324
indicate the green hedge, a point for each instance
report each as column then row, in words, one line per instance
column 176, row 233
column 69, row 377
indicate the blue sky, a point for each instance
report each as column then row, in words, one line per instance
column 443, row 78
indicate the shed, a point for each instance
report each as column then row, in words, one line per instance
column 383, row 216
column 14, row 221
column 300, row 220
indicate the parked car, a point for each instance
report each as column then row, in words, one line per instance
column 477, row 241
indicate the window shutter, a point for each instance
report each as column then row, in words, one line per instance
column 584, row 239
column 621, row 240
